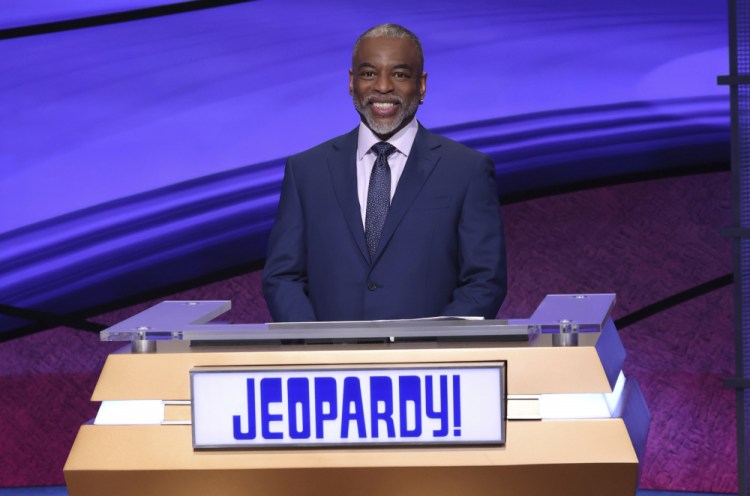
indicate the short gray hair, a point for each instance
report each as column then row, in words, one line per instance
column 389, row 30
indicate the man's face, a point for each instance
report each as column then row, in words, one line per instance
column 386, row 83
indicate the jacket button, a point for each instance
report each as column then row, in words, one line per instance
column 372, row 286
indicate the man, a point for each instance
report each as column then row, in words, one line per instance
column 388, row 221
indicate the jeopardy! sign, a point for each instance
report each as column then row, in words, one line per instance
column 347, row 407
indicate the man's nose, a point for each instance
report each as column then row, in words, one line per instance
column 383, row 83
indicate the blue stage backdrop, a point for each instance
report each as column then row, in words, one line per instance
column 37, row 12
column 143, row 154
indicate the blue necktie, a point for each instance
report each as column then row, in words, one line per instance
column 378, row 196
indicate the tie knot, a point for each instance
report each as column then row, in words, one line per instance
column 383, row 148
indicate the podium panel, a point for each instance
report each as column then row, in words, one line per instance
column 575, row 425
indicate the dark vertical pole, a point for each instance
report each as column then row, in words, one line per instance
column 739, row 83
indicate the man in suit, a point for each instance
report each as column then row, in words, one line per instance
column 388, row 221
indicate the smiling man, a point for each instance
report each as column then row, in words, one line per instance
column 388, row 221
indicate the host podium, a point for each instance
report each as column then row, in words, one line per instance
column 573, row 424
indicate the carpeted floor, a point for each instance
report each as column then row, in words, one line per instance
column 645, row 241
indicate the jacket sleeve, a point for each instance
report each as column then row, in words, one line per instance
column 285, row 281
column 482, row 281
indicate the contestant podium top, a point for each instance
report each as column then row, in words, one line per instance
column 568, row 345
column 187, row 321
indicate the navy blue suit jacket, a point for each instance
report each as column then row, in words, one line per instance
column 441, row 250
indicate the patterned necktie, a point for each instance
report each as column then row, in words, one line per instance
column 378, row 196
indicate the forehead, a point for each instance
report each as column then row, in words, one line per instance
column 386, row 52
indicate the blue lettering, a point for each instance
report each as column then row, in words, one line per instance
column 325, row 394
column 352, row 409
column 299, row 394
column 322, row 392
column 442, row 413
column 410, row 392
column 381, row 393
column 270, row 392
column 236, row 420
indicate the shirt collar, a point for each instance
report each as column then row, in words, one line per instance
column 402, row 140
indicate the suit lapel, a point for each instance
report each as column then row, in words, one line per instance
column 422, row 160
column 342, row 164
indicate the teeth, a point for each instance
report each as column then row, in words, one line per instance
column 383, row 106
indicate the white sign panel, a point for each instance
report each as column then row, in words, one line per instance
column 347, row 407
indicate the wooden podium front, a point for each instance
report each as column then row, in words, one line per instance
column 555, row 443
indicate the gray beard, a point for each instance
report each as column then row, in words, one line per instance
column 405, row 112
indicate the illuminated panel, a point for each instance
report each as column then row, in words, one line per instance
column 325, row 407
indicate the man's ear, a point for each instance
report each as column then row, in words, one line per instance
column 422, row 86
column 351, row 82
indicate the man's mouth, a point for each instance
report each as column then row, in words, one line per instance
column 384, row 109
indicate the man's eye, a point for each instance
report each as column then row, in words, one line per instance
column 367, row 74
column 401, row 75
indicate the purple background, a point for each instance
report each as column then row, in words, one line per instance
column 149, row 153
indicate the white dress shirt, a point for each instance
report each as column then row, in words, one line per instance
column 402, row 140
